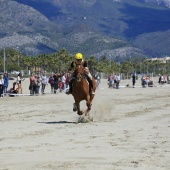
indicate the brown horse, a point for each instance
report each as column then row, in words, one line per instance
column 81, row 90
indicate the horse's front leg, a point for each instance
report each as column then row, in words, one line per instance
column 88, row 104
column 87, row 113
column 79, row 112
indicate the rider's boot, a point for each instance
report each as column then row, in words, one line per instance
column 70, row 88
column 91, row 83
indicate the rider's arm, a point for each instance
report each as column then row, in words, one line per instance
column 71, row 67
column 86, row 69
column 85, row 64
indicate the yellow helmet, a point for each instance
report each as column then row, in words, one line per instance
column 78, row 56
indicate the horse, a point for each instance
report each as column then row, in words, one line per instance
column 81, row 90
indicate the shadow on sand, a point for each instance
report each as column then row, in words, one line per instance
column 59, row 122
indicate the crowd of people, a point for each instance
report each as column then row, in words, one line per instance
column 59, row 82
column 4, row 83
column 146, row 81
column 114, row 80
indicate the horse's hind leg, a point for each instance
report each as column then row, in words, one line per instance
column 89, row 103
column 88, row 111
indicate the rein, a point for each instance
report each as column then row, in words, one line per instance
column 79, row 75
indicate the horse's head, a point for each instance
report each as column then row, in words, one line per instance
column 79, row 71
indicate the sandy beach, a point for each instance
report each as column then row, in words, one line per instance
column 131, row 130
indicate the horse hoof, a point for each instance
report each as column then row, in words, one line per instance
column 85, row 119
column 74, row 107
column 80, row 113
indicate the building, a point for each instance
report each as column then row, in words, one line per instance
column 162, row 60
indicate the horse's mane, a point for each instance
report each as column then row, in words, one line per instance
column 79, row 68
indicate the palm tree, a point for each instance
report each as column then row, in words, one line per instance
column 168, row 66
column 27, row 62
column 43, row 61
column 63, row 55
column 127, row 67
column 92, row 64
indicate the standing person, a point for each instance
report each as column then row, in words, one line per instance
column 60, row 82
column 67, row 80
column 20, row 78
column 133, row 80
column 6, row 82
column 165, row 80
column 32, row 84
column 55, row 82
column 117, row 81
column 1, row 86
column 63, row 80
column 44, row 82
column 51, row 82
column 80, row 61
column 19, row 88
column 38, row 83
column 162, row 79
column 159, row 81
column 110, row 81
column 98, row 80
column 95, row 76
column 113, row 77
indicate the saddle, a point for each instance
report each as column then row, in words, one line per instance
column 88, row 80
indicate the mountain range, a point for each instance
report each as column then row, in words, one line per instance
column 115, row 28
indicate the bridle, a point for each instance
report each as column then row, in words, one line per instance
column 79, row 73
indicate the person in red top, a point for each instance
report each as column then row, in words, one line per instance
column 32, row 86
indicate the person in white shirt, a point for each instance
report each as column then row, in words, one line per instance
column 20, row 78
column 44, row 82
column 98, row 81
column 117, row 81
column 63, row 79
column 162, row 79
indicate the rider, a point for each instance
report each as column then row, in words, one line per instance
column 79, row 60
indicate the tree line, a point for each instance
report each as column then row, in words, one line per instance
column 61, row 60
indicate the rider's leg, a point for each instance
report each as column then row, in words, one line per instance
column 91, row 83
